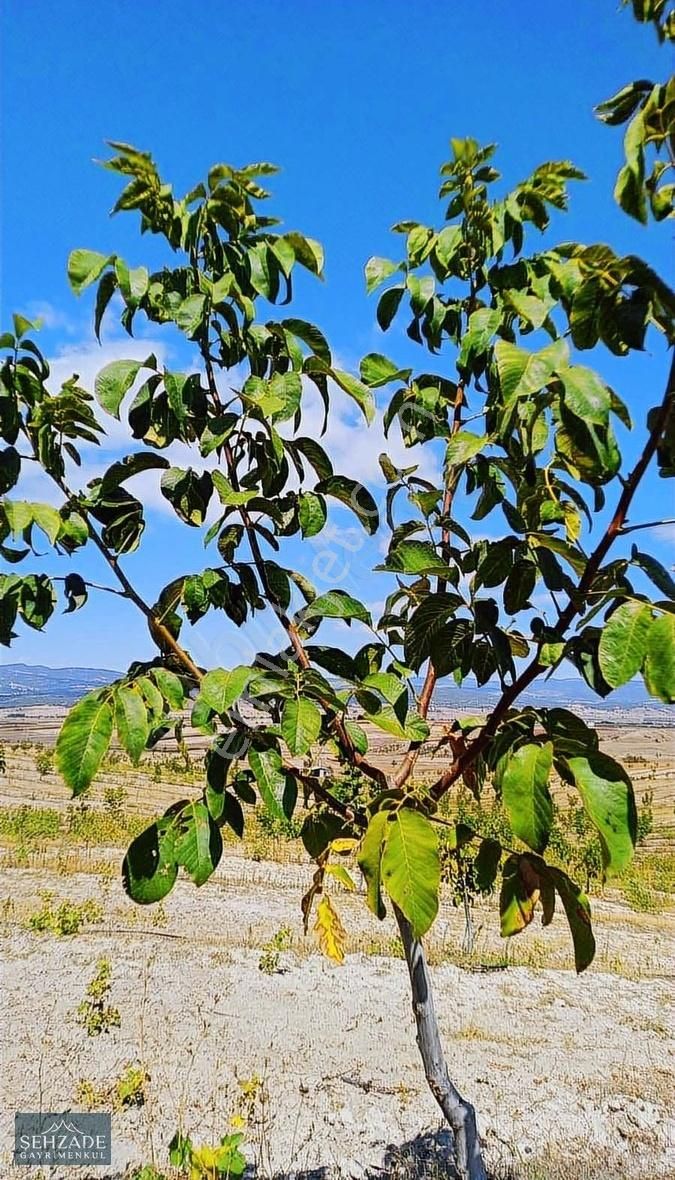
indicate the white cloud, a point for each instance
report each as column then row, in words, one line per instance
column 665, row 533
column 52, row 317
column 354, row 447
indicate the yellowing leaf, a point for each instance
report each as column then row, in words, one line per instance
column 344, row 844
column 330, row 931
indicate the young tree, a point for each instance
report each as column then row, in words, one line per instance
column 527, row 435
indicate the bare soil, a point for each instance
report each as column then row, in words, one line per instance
column 579, row 1070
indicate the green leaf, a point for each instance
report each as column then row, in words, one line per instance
column 221, row 688
column 378, row 270
column 623, row 104
column 524, row 783
column 425, row 625
column 463, row 446
column 388, row 305
column 311, row 513
column 415, row 557
column 447, row 243
column 369, row 860
column 149, row 869
column 83, row 740
column 519, row 586
column 655, row 571
column 308, row 252
column 585, row 394
column 377, row 370
column 84, row 267
column 659, row 670
column 319, row 828
column 188, row 493
column 105, row 292
column 518, row 895
column 578, row 913
column 359, row 393
column 19, row 514
column 389, row 686
column 355, row 496
column 486, row 864
column 607, row 795
column 629, row 192
column 623, row 643
column 300, row 725
column 190, row 314
column 198, row 843
column 337, row 604
column 481, row 327
column 226, row 492
column 358, row 736
column 413, row 727
column 272, row 780
column 10, row 468
column 48, row 519
column 315, row 455
column 170, row 686
column 411, row 868
column 113, row 382
column 132, row 465
column 523, row 373
column 131, row 719
column 311, row 336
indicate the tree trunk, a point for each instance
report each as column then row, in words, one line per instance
column 459, row 1113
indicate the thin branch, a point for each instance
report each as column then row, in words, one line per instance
column 344, row 741
column 161, row 635
column 575, row 603
column 312, row 784
column 650, row 524
column 95, row 586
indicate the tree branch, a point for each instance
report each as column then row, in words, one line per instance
column 406, row 768
column 576, row 602
column 649, row 524
column 344, row 741
column 160, row 634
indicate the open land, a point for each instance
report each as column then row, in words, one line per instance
column 229, row 1015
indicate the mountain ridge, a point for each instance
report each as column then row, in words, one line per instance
column 41, row 685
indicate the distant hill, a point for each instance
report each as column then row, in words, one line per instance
column 33, row 684
column 547, row 693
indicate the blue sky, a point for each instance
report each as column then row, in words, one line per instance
column 356, row 101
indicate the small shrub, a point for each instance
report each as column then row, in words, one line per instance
column 159, row 916
column 114, row 799
column 278, row 827
column 44, row 762
column 645, row 819
column 269, row 961
column 639, row 896
column 130, row 1089
column 67, row 918
column 89, row 1096
column 207, row 1162
column 28, row 826
column 95, row 1013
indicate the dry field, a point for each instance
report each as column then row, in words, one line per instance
column 573, row 1078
